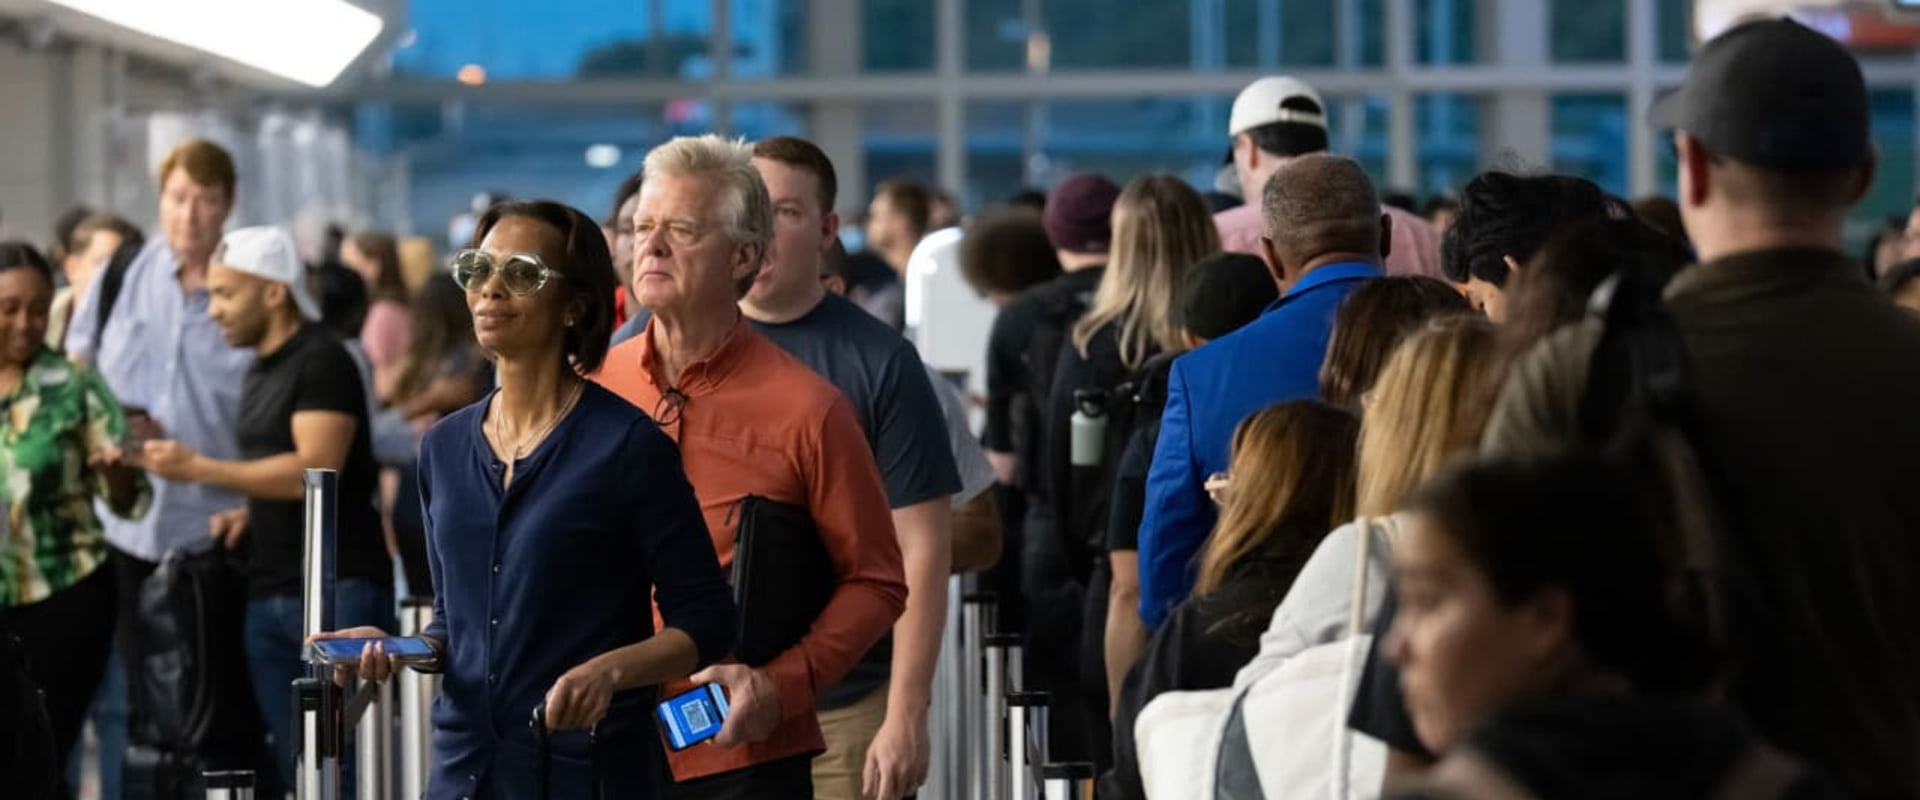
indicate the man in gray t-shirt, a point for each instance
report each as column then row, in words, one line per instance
column 875, row 720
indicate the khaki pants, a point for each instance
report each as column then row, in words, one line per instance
column 837, row 773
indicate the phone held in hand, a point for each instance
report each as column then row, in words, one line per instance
column 140, row 429
column 692, row 717
column 402, row 649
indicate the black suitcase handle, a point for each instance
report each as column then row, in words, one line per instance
column 543, row 751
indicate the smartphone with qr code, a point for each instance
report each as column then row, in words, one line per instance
column 692, row 717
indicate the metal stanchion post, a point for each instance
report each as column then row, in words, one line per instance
column 1026, row 724
column 373, row 744
column 942, row 718
column 416, row 706
column 317, row 700
column 1068, row 781
column 230, row 785
column 317, row 775
column 1001, row 647
column 976, row 608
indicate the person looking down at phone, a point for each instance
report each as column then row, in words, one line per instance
column 59, row 449
column 302, row 407
column 755, row 423
column 556, row 514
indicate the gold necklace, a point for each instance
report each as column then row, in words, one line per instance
column 519, row 450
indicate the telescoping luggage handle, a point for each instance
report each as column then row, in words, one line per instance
column 543, row 751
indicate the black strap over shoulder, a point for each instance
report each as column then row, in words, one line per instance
column 1641, row 405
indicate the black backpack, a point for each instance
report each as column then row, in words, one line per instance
column 195, row 702
column 1082, row 504
column 1640, row 405
column 1060, row 307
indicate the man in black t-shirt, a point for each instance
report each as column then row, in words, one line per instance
column 302, row 406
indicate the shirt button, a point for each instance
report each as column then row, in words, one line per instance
column 492, row 678
column 496, row 569
column 496, row 622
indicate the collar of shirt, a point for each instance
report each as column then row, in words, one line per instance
column 699, row 377
column 1326, row 274
column 294, row 343
column 1768, row 271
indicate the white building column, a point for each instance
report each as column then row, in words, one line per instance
column 834, row 33
column 1517, row 123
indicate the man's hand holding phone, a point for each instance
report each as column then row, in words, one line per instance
column 754, row 699
column 141, row 428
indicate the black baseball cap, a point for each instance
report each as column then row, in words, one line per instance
column 1223, row 292
column 1773, row 93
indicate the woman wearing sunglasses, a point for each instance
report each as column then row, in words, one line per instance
column 554, row 510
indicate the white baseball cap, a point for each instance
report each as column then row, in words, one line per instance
column 1260, row 104
column 268, row 252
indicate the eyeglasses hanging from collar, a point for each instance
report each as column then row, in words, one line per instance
column 666, row 412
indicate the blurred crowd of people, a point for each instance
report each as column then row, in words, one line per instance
column 1606, row 497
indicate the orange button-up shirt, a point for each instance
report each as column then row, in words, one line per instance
column 756, row 421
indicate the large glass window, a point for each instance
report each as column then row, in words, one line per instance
column 454, row 151
column 899, row 138
column 1449, row 131
column 488, row 40
column 1675, row 32
column 1013, row 145
column 1590, row 138
column 897, row 35
column 1588, row 31
column 1447, row 32
column 1206, row 35
column 1017, row 144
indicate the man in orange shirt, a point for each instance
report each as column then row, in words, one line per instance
column 751, row 420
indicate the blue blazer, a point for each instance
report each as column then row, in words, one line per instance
column 1274, row 359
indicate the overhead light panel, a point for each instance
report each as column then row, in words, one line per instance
column 309, row 41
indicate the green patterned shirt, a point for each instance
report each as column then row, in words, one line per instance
column 57, row 418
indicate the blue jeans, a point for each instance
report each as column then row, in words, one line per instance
column 274, row 649
column 109, row 727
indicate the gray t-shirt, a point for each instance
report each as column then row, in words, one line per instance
column 882, row 376
column 976, row 472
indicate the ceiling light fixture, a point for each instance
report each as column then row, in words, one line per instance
column 308, row 41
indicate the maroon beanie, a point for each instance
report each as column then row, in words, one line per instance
column 1079, row 214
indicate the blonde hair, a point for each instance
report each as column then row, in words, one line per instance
column 1429, row 406
column 746, row 211
column 1293, row 475
column 1161, row 227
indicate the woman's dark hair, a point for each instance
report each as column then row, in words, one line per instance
column 1899, row 275
column 1439, row 203
column 1663, row 216
column 1007, row 251
column 64, row 228
column 385, row 253
column 589, row 284
column 112, row 278
column 440, row 327
column 1578, row 523
column 1559, row 281
column 629, row 186
column 1371, row 323
column 343, row 298
column 1505, row 215
column 16, row 254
